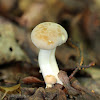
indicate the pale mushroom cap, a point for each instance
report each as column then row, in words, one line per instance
column 48, row 35
column 50, row 79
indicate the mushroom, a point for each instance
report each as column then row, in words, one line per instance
column 47, row 36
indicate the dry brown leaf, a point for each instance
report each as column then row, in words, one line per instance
column 31, row 79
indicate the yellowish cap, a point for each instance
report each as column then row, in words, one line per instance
column 48, row 35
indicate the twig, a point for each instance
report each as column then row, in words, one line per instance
column 81, row 67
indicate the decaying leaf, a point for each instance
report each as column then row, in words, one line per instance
column 9, row 48
column 43, row 11
column 31, row 80
column 30, row 19
column 10, row 90
column 65, row 80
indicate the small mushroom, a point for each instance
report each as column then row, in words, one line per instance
column 50, row 80
column 47, row 36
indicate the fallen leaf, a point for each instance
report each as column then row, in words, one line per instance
column 9, row 90
column 65, row 80
column 31, row 79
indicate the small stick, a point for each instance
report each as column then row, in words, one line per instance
column 80, row 67
column 73, row 73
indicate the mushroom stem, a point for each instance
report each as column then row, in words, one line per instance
column 48, row 65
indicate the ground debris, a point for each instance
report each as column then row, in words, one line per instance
column 17, row 97
column 55, row 93
column 38, row 95
column 75, row 90
column 28, row 91
column 19, row 57
column 65, row 80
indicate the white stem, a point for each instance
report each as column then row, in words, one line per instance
column 47, row 63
